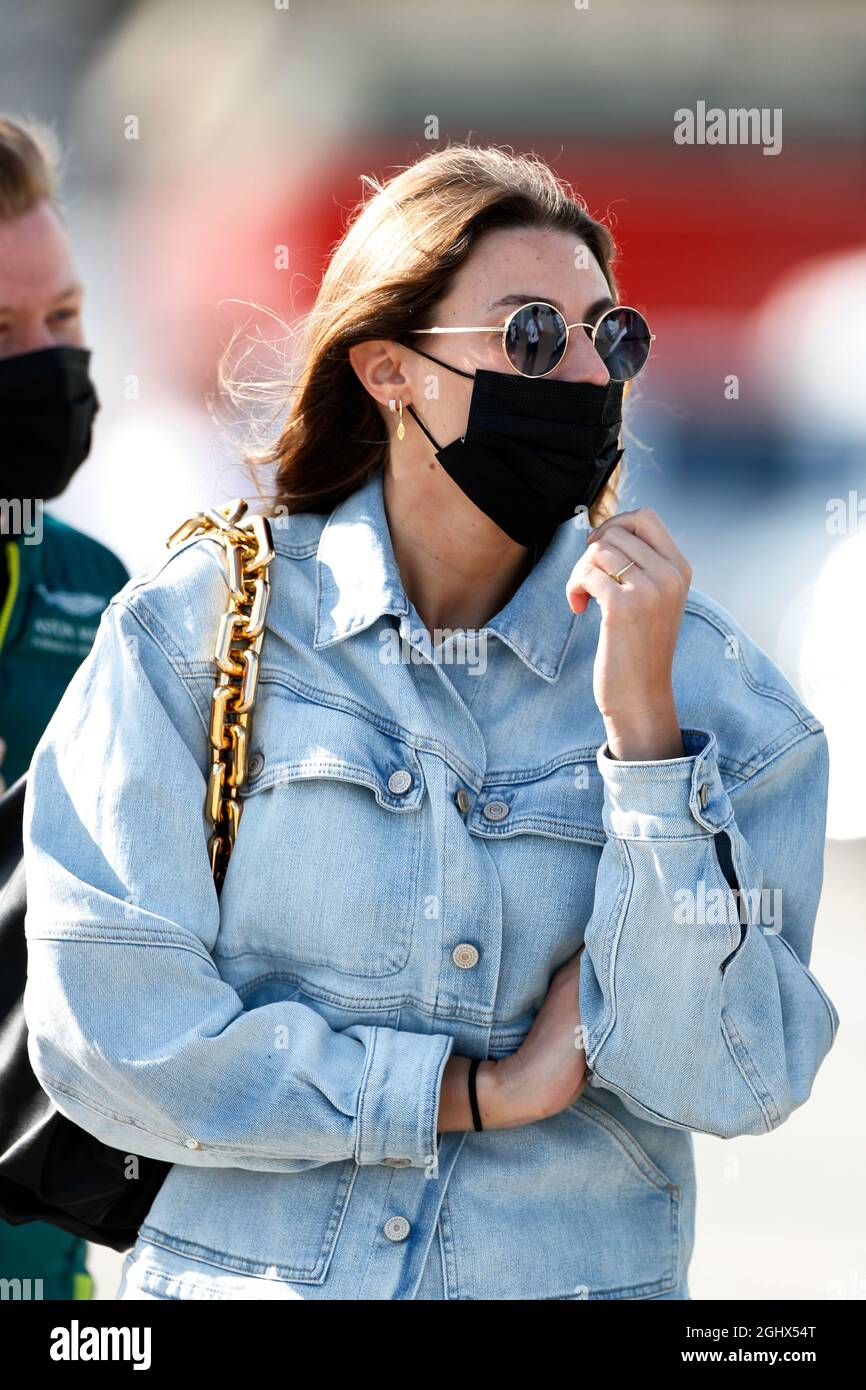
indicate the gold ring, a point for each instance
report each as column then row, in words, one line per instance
column 619, row 572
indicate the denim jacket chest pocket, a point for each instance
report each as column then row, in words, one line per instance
column 325, row 868
column 562, row 800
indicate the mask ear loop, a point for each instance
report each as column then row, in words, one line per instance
column 447, row 365
column 415, row 416
column 439, row 363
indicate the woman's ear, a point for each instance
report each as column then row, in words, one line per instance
column 378, row 366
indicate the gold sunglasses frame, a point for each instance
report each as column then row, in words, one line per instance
column 537, row 376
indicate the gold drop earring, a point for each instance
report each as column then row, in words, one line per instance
column 392, row 406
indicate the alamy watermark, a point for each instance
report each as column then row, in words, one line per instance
column 846, row 515
column 22, row 516
column 716, row 906
column 468, row 649
column 83, row 1343
column 737, row 126
column 20, row 1289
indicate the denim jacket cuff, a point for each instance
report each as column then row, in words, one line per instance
column 399, row 1106
column 666, row 799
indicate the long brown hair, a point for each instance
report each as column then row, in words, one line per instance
column 395, row 262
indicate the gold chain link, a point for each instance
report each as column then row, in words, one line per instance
column 249, row 550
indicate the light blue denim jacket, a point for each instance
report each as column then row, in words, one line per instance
column 410, row 870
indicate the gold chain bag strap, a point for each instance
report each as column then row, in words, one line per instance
column 248, row 552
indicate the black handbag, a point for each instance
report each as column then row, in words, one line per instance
column 51, row 1169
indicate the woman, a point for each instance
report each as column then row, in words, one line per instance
column 492, row 941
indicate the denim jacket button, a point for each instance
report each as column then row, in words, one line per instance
column 397, row 1162
column 397, row 1228
column 463, row 799
column 495, row 810
column 465, row 955
column 255, row 765
column 704, row 794
column 400, row 782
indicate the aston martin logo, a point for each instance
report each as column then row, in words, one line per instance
column 76, row 605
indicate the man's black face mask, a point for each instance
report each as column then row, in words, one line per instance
column 47, row 405
column 534, row 450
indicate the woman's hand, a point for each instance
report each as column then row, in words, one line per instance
column 640, row 622
column 545, row 1074
column 548, row 1070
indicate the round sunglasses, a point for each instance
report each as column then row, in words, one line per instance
column 535, row 339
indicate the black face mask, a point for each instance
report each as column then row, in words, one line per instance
column 534, row 450
column 47, row 405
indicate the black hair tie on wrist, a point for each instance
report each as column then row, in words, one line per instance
column 473, row 1099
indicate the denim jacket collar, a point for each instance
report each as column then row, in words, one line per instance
column 359, row 580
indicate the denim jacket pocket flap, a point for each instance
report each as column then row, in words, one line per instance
column 296, row 739
column 296, row 1218
column 564, row 802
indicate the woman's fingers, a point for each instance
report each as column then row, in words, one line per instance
column 634, row 547
column 587, row 581
column 597, row 562
column 648, row 527
column 638, row 536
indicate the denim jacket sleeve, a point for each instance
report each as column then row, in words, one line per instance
column 133, row 1033
column 697, row 1005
